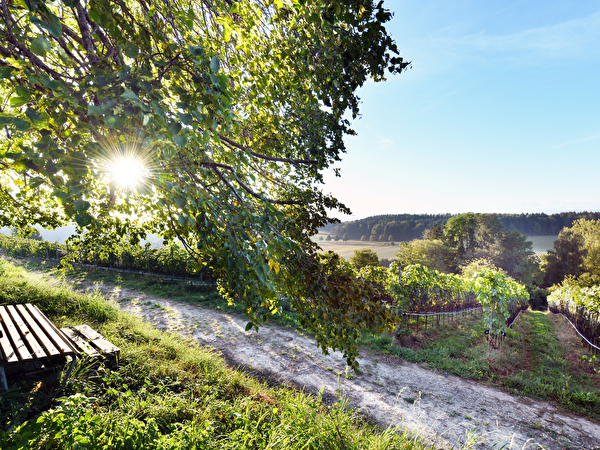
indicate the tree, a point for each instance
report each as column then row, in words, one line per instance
column 28, row 232
column 516, row 256
column 231, row 111
column 459, row 232
column 433, row 233
column 345, row 237
column 431, row 253
column 589, row 231
column 364, row 257
column 566, row 259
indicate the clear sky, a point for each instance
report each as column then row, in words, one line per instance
column 499, row 113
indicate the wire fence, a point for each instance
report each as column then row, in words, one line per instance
column 594, row 349
column 170, row 262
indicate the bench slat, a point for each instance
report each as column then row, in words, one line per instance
column 37, row 331
column 96, row 339
column 51, row 331
column 80, row 342
column 25, row 332
column 7, row 350
column 13, row 332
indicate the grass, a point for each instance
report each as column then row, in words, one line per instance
column 540, row 358
column 346, row 249
column 164, row 392
column 153, row 286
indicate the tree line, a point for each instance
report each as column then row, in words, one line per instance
column 405, row 227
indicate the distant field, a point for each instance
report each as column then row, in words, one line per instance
column 541, row 244
column 346, row 249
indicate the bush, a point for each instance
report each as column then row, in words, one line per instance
column 537, row 298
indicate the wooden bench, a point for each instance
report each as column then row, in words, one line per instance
column 29, row 341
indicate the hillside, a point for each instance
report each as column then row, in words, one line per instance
column 405, row 227
column 159, row 370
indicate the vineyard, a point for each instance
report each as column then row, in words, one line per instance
column 172, row 260
column 424, row 296
column 423, row 293
column 581, row 306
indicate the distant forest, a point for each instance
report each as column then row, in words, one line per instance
column 405, row 227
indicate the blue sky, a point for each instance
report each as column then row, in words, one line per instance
column 499, row 113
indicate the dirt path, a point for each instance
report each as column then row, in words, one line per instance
column 446, row 410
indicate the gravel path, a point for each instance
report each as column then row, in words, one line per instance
column 445, row 410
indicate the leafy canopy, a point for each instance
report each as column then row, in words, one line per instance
column 233, row 109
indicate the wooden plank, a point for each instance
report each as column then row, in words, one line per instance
column 96, row 339
column 80, row 342
column 37, row 331
column 88, row 332
column 15, row 337
column 8, row 352
column 51, row 331
column 34, row 345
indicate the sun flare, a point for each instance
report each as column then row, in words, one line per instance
column 127, row 172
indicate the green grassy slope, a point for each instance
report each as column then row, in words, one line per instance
column 164, row 392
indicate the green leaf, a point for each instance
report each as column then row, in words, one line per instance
column 196, row 51
column 37, row 118
column 130, row 95
column 35, row 182
column 21, row 124
column 6, row 72
column 94, row 15
column 249, row 326
column 50, row 84
column 186, row 119
column 95, row 111
column 17, row 101
column 215, row 64
column 23, row 92
column 114, row 121
column 175, row 127
column 81, row 206
column 83, row 220
column 131, row 50
column 40, row 46
column 54, row 26
column 181, row 141
column 71, row 3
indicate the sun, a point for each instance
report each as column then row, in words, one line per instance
column 127, row 172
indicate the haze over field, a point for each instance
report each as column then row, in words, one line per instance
column 498, row 114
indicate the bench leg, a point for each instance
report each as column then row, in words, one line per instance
column 3, row 383
column 71, row 367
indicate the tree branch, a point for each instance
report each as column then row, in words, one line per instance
column 265, row 157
